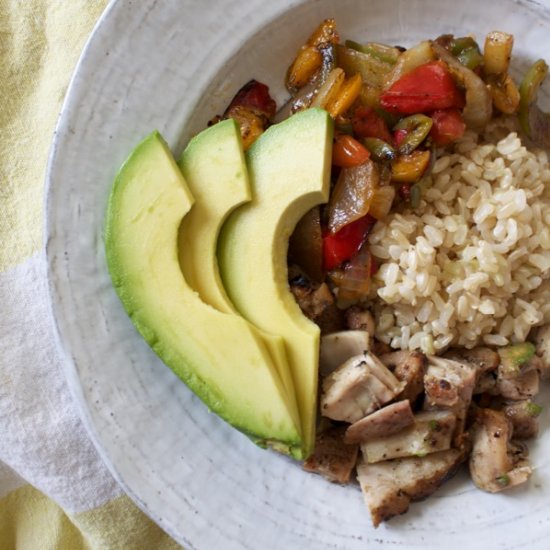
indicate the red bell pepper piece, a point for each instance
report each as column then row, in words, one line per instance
column 426, row 88
column 399, row 136
column 255, row 96
column 342, row 245
column 348, row 152
column 366, row 122
column 447, row 127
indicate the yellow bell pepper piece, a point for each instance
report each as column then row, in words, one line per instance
column 347, row 94
column 409, row 168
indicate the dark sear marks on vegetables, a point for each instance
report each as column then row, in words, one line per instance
column 405, row 420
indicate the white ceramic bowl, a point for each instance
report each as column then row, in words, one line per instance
column 171, row 65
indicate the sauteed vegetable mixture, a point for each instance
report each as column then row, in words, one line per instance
column 428, row 271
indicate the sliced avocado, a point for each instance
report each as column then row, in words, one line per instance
column 513, row 357
column 216, row 354
column 214, row 168
column 289, row 170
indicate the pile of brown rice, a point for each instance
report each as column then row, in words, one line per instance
column 471, row 264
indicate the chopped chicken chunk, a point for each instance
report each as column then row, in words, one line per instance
column 338, row 347
column 486, row 382
column 389, row 487
column 542, row 344
column 492, row 464
column 357, row 388
column 519, row 452
column 431, row 432
column 448, row 382
column 317, row 303
column 483, row 359
column 409, row 367
column 379, row 348
column 520, row 386
column 383, row 422
column 360, row 319
column 523, row 416
column 449, row 385
column 312, row 298
column 332, row 457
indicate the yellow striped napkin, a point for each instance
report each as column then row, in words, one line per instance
column 55, row 492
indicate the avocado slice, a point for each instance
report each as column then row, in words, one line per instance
column 218, row 355
column 289, row 170
column 214, row 168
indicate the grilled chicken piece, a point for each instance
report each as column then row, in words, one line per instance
column 409, row 367
column 518, row 452
column 360, row 319
column 431, row 432
column 484, row 360
column 357, row 388
column 386, row 421
column 331, row 319
column 317, row 303
column 542, row 343
column 523, row 416
column 338, row 347
column 389, row 487
column 312, row 299
column 486, row 382
column 518, row 387
column 380, row 348
column 449, row 385
column 332, row 457
column 493, row 464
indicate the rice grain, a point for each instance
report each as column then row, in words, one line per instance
column 471, row 264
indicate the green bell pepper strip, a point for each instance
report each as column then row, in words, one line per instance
column 386, row 54
column 467, row 51
column 380, row 150
column 372, row 70
column 417, row 127
column 534, row 122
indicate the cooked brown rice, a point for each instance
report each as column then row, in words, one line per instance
column 471, row 264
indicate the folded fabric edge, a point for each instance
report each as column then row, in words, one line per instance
column 29, row 519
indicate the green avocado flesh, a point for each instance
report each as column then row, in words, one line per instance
column 214, row 167
column 289, row 170
column 218, row 354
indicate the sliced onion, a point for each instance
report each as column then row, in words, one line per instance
column 382, row 201
column 479, row 106
column 300, row 101
column 373, row 71
column 408, row 61
column 352, row 195
column 505, row 94
column 354, row 281
column 303, row 97
column 329, row 90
